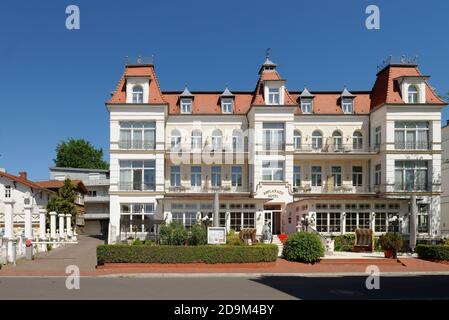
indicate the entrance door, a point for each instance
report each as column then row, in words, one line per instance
column 273, row 217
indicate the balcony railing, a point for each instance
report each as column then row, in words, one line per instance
column 96, row 182
column 208, row 148
column 330, row 188
column 137, row 186
column 408, row 188
column 202, row 189
column 103, row 198
column 333, row 148
column 136, row 145
column 412, row 145
column 273, row 146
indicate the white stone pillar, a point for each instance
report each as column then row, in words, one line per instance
column 42, row 224
column 28, row 210
column 42, row 229
column 9, row 228
column 69, row 224
column 61, row 225
column 53, row 225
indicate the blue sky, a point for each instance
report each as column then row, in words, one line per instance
column 54, row 81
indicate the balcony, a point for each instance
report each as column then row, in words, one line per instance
column 96, row 182
column 137, row 186
column 202, row 189
column 96, row 215
column 412, row 145
column 333, row 151
column 96, row 199
column 328, row 188
column 136, row 145
column 208, row 148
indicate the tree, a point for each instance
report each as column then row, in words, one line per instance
column 64, row 200
column 79, row 153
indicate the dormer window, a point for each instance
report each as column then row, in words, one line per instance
column 306, row 105
column 137, row 94
column 274, row 95
column 186, row 105
column 412, row 94
column 227, row 105
column 347, row 105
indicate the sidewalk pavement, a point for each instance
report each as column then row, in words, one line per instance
column 327, row 267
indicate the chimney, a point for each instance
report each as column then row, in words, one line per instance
column 23, row 175
column 3, row 170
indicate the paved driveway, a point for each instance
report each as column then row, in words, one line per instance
column 55, row 261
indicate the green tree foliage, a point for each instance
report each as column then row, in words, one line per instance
column 64, row 200
column 79, row 153
column 197, row 235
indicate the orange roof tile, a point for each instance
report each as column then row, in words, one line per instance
column 56, row 184
column 386, row 88
column 23, row 181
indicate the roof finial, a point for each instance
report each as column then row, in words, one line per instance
column 267, row 53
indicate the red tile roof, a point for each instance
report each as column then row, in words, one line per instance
column 23, row 181
column 56, row 184
column 384, row 91
column 386, row 88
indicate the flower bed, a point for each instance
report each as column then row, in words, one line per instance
column 186, row 254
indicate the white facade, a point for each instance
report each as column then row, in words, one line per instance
column 12, row 189
column 445, row 182
column 340, row 169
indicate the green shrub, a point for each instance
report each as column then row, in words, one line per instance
column 197, row 235
column 344, row 242
column 186, row 254
column 173, row 234
column 137, row 242
column 433, row 252
column 233, row 239
column 446, row 242
column 391, row 241
column 149, row 243
column 303, row 247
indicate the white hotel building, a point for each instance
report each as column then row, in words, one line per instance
column 343, row 159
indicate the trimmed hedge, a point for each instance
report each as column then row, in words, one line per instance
column 186, row 254
column 303, row 247
column 436, row 252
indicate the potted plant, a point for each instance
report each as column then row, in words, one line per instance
column 390, row 243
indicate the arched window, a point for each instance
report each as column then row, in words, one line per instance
column 217, row 140
column 137, row 94
column 317, row 140
column 297, row 139
column 412, row 94
column 357, row 140
column 175, row 141
column 237, row 140
column 337, row 141
column 197, row 139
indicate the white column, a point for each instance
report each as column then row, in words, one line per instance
column 61, row 225
column 69, row 224
column 42, row 224
column 9, row 228
column 28, row 210
column 53, row 225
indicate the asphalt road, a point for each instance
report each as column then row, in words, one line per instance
column 224, row 288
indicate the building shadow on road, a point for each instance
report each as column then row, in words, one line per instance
column 354, row 287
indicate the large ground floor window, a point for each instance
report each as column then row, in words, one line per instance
column 334, row 217
column 328, row 221
column 136, row 218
